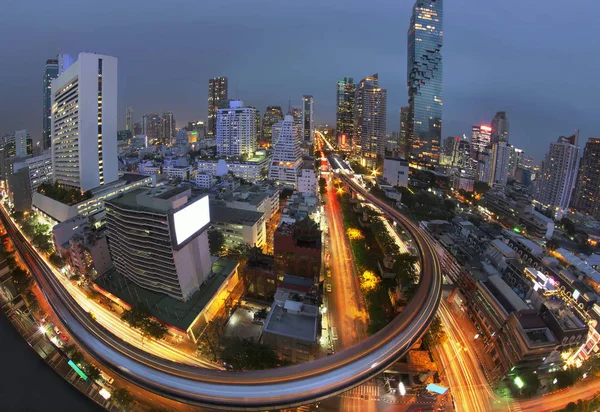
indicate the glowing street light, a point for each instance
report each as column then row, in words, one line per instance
column 401, row 389
column 519, row 382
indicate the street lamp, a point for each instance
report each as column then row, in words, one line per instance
column 401, row 388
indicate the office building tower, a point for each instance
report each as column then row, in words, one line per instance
column 258, row 123
column 424, row 80
column 404, row 144
column 152, row 126
column 50, row 73
column 137, row 128
column 461, row 157
column 370, row 119
column 168, row 127
column 236, row 130
column 346, row 92
column 528, row 162
column 275, row 130
column 556, row 180
column 272, row 115
column 308, row 122
column 129, row 119
column 516, row 159
column 500, row 128
column 480, row 140
column 447, row 151
column 158, row 239
column 500, row 163
column 586, row 197
column 84, row 123
column 484, row 169
column 297, row 113
column 217, row 92
column 287, row 156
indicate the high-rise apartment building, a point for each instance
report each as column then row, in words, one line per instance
column 556, row 180
column 287, row 157
column 346, row 92
column 404, row 144
column 500, row 163
column 586, row 197
column 158, row 239
column 516, row 159
column 50, row 73
column 168, row 127
column 461, row 157
column 272, row 115
column 129, row 119
column 236, row 130
column 84, row 123
column 217, row 92
column 424, row 80
column 480, row 140
column 308, row 121
column 370, row 119
column 152, row 126
column 500, row 128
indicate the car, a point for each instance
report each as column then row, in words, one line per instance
column 64, row 337
column 328, row 287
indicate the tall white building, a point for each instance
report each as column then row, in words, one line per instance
column 236, row 130
column 275, row 130
column 500, row 162
column 556, row 180
column 308, row 121
column 158, row 239
column 84, row 123
column 287, row 157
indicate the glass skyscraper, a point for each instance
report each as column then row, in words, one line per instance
column 50, row 73
column 424, row 80
column 217, row 93
column 346, row 89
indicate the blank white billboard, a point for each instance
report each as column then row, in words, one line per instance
column 190, row 219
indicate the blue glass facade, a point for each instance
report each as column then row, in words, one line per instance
column 424, row 81
column 50, row 73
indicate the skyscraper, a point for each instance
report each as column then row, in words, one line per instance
column 516, row 158
column 297, row 113
column 403, row 144
column 480, row 140
column 370, row 119
column 168, row 126
column 129, row 119
column 152, row 126
column 84, row 123
column 308, row 122
column 50, row 73
column 500, row 128
column 287, row 157
column 236, row 130
column 424, row 80
column 217, row 92
column 272, row 115
column 554, row 184
column 499, row 165
column 586, row 198
column 346, row 91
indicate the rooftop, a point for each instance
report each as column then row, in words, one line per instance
column 169, row 310
column 281, row 321
column 220, row 213
column 504, row 294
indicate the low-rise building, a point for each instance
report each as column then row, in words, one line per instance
column 300, row 206
column 395, row 171
column 307, row 178
column 25, row 178
column 204, row 180
column 252, row 169
column 298, row 249
column 239, row 226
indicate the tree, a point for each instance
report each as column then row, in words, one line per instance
column 369, row 281
column 322, row 186
column 43, row 243
column 91, row 371
column 209, row 341
column 568, row 225
column 122, row 397
column 154, row 329
column 246, row 354
column 481, row 187
column 18, row 216
column 354, row 234
column 135, row 317
column 73, row 353
column 552, row 244
column 56, row 260
column 566, row 378
column 404, row 268
column 216, row 240
column 435, row 335
column 21, row 279
column 32, row 302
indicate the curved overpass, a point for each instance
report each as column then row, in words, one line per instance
column 251, row 390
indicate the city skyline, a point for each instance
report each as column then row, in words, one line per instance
column 539, row 99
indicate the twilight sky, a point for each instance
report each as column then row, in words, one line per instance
column 538, row 61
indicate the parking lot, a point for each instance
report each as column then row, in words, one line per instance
column 240, row 323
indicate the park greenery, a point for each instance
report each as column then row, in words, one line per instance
column 435, row 335
column 39, row 233
column 424, row 205
column 246, row 354
column 64, row 194
column 322, row 186
column 216, row 242
column 139, row 318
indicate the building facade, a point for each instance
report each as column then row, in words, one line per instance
column 516, row 158
column 155, row 242
column 297, row 250
column 272, row 115
column 287, row 157
column 395, row 171
column 500, row 128
column 424, row 80
column 50, row 73
column 129, row 119
column 370, row 119
column 168, row 127
column 84, row 123
column 236, row 130
column 217, row 92
column 556, row 180
column 500, row 163
column 308, row 121
column 346, row 90
column 586, row 198
column 480, row 140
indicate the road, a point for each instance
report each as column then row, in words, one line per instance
column 346, row 303
column 587, row 389
column 252, row 390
